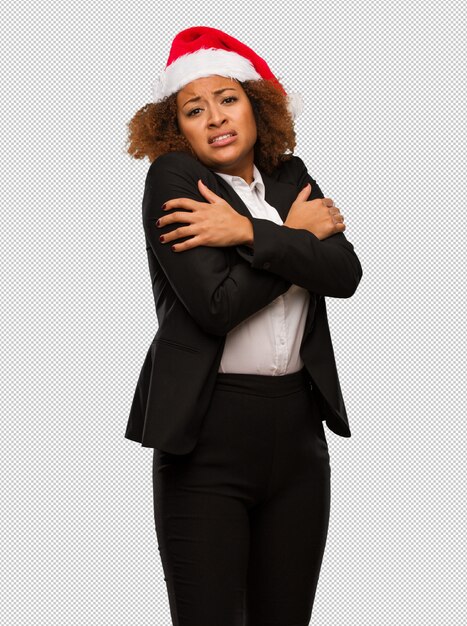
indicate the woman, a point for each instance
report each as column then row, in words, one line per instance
column 242, row 249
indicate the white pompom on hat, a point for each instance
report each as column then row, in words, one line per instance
column 202, row 51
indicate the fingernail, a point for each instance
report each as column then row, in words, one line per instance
column 163, row 206
column 158, row 223
column 161, row 238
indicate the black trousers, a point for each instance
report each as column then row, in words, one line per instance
column 242, row 520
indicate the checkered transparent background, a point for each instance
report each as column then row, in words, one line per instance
column 383, row 133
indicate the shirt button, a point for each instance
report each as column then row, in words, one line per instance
column 266, row 265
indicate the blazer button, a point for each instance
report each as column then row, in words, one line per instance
column 266, row 265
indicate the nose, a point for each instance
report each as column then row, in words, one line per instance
column 216, row 116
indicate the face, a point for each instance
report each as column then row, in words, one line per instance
column 214, row 106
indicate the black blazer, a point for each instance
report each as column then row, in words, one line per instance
column 202, row 293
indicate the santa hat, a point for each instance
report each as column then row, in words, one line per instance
column 203, row 51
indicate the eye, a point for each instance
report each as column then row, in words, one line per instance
column 192, row 111
column 233, row 98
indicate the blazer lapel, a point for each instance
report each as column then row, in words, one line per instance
column 279, row 195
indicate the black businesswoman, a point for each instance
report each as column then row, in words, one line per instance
column 240, row 376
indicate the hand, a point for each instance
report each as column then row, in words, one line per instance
column 211, row 223
column 318, row 216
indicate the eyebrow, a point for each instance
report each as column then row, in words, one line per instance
column 196, row 98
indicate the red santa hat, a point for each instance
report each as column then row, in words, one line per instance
column 202, row 51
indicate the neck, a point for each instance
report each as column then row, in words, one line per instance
column 246, row 173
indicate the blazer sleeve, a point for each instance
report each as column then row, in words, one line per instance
column 217, row 296
column 327, row 267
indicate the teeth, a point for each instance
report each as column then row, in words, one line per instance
column 222, row 137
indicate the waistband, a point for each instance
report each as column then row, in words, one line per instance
column 264, row 385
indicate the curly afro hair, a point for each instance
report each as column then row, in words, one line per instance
column 154, row 130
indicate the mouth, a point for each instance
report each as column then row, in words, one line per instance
column 222, row 139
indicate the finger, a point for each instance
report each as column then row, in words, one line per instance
column 184, row 217
column 181, row 203
column 186, row 245
column 328, row 201
column 176, row 233
column 335, row 213
column 304, row 193
column 207, row 193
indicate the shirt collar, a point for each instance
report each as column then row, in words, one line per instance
column 237, row 182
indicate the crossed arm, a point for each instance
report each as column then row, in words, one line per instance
column 328, row 267
column 218, row 296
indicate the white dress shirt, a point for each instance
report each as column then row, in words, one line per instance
column 267, row 342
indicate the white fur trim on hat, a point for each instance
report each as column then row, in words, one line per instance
column 294, row 104
column 203, row 62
